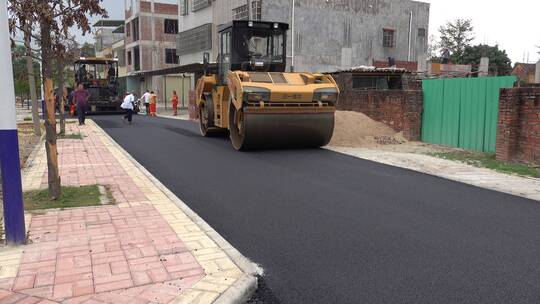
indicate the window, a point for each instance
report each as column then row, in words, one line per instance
column 194, row 40
column 362, row 82
column 241, row 12
column 421, row 32
column 225, row 58
column 200, row 4
column 388, row 38
column 225, row 42
column 137, row 55
column 254, row 46
column 170, row 56
column 128, row 29
column 135, row 25
column 121, row 55
column 184, row 7
column 129, row 57
column 256, row 10
column 171, row 26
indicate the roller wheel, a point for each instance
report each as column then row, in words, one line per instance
column 279, row 131
column 236, row 127
column 206, row 117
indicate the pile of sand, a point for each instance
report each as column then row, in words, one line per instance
column 353, row 129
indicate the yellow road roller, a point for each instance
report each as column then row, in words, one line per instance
column 250, row 96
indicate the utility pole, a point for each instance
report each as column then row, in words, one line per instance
column 410, row 36
column 292, row 36
column 9, row 143
column 154, row 47
column 537, row 74
column 153, row 34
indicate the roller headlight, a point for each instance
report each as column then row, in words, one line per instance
column 326, row 95
column 255, row 94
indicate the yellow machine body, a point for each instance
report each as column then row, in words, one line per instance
column 286, row 96
column 261, row 106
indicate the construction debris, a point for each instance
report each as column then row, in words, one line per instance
column 353, row 129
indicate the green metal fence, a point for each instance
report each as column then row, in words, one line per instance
column 463, row 112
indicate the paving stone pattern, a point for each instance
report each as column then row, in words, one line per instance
column 127, row 252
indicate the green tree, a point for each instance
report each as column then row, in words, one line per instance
column 455, row 37
column 62, row 77
column 20, row 73
column 53, row 20
column 433, row 50
column 499, row 62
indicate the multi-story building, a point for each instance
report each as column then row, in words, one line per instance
column 328, row 34
column 119, row 52
column 151, row 28
column 106, row 34
column 109, row 43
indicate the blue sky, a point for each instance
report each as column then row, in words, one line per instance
column 511, row 24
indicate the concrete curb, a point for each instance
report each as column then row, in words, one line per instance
column 244, row 287
column 240, row 292
column 174, row 117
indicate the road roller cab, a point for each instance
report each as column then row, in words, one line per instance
column 250, row 95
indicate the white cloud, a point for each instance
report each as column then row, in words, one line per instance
column 511, row 24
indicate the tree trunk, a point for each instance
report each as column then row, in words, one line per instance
column 31, row 80
column 60, row 70
column 50, row 122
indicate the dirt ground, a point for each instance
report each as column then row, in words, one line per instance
column 27, row 140
column 353, row 129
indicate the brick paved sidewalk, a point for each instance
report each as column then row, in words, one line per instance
column 143, row 249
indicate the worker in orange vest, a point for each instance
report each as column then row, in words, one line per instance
column 153, row 101
column 174, row 101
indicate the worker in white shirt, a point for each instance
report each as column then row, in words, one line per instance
column 146, row 100
column 128, row 106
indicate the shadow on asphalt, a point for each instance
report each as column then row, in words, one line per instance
column 264, row 295
column 184, row 132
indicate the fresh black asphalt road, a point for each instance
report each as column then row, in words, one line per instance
column 329, row 228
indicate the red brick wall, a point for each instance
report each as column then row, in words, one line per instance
column 145, row 32
column 409, row 65
column 159, row 8
column 518, row 133
column 146, row 57
column 399, row 109
column 146, row 29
